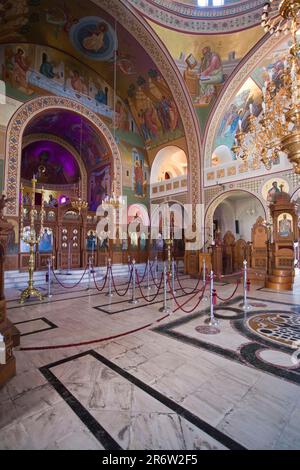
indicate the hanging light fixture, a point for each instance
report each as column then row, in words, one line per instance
column 113, row 200
column 79, row 204
column 277, row 128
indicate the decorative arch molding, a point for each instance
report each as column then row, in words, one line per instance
column 210, row 210
column 30, row 139
column 14, row 137
column 231, row 88
column 131, row 20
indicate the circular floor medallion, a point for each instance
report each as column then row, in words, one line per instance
column 207, row 330
column 280, row 327
column 277, row 358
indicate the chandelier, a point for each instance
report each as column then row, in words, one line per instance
column 112, row 201
column 277, row 128
column 79, row 204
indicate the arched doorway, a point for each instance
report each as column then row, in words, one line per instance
column 79, row 158
column 228, row 225
column 170, row 160
column 14, row 141
column 235, row 211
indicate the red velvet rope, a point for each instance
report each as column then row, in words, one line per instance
column 115, row 287
column 183, row 290
column 230, row 297
column 85, row 343
column 157, row 292
column 69, row 287
column 180, row 307
column 100, row 289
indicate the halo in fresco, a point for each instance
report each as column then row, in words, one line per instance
column 272, row 186
column 94, row 37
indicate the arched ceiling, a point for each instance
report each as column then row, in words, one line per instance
column 61, row 166
column 187, row 16
column 76, row 131
column 87, row 37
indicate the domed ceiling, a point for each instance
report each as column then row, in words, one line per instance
column 209, row 17
column 70, row 45
column 73, row 129
column 61, row 166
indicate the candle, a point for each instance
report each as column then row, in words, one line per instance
column 251, row 108
column 240, row 124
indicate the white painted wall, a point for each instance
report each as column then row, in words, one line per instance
column 245, row 210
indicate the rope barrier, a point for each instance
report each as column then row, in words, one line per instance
column 157, row 292
column 180, row 285
column 128, row 285
column 69, row 287
column 95, row 282
column 180, row 307
column 230, row 297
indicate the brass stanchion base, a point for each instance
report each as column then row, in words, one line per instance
column 30, row 292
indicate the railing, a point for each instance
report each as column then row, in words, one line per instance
column 171, row 186
column 237, row 170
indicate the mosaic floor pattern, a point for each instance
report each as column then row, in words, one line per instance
column 280, row 327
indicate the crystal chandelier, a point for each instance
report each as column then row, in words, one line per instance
column 277, row 128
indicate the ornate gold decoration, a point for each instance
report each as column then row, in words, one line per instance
column 277, row 129
column 33, row 240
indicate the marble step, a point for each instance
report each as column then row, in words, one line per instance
column 17, row 279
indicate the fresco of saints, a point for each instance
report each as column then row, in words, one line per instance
column 77, row 83
column 211, row 73
column 46, row 68
column 285, row 226
column 19, row 72
column 139, row 178
column 272, row 191
column 95, row 41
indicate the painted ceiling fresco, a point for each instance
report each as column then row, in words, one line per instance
column 60, row 29
column 207, row 61
column 251, row 93
column 76, row 131
column 61, row 167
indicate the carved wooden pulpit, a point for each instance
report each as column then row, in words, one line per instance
column 285, row 232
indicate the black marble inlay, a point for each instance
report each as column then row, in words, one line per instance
column 50, row 324
column 99, row 432
column 245, row 354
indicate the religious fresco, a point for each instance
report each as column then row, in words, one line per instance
column 136, row 173
column 74, row 129
column 206, row 62
column 239, row 109
column 30, row 70
column 251, row 93
column 272, row 187
column 99, row 186
column 60, row 165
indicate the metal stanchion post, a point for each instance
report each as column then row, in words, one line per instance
column 148, row 275
column 213, row 321
column 173, row 276
column 49, row 263
column 109, row 272
column 129, row 267
column 89, row 274
column 133, row 298
column 204, row 271
column 156, row 269
column 245, row 305
column 165, row 309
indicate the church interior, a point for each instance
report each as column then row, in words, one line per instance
column 150, row 225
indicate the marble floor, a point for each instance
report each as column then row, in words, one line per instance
column 95, row 372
